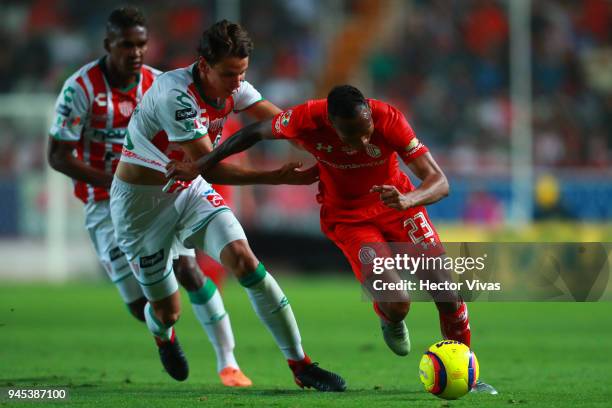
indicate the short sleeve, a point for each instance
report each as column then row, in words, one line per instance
column 71, row 111
column 401, row 137
column 290, row 123
column 179, row 115
column 246, row 96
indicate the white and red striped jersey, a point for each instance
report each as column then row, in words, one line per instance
column 176, row 110
column 95, row 116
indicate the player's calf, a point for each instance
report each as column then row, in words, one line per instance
column 188, row 273
column 136, row 308
column 392, row 311
column 238, row 257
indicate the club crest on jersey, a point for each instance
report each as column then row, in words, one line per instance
column 126, row 108
column 286, row 117
column 373, row 150
column 367, row 255
column 322, row 147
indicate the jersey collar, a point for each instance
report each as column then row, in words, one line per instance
column 195, row 72
column 102, row 64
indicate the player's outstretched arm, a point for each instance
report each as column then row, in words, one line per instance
column 433, row 188
column 227, row 173
column 238, row 142
column 60, row 157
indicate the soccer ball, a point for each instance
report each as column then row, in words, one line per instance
column 449, row 369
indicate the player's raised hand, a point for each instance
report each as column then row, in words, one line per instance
column 391, row 197
column 292, row 173
column 184, row 171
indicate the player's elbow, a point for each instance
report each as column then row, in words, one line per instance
column 444, row 186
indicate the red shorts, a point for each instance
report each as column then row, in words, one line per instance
column 350, row 232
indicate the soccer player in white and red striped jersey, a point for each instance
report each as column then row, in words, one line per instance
column 93, row 111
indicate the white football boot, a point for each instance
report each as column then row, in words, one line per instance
column 396, row 336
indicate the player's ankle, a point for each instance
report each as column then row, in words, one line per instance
column 298, row 365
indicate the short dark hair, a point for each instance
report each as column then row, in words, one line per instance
column 125, row 17
column 344, row 101
column 224, row 39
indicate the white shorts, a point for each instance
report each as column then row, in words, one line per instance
column 102, row 233
column 100, row 227
column 148, row 221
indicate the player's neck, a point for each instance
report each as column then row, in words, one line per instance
column 114, row 77
column 204, row 89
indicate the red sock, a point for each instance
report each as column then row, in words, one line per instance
column 297, row 366
column 160, row 342
column 456, row 325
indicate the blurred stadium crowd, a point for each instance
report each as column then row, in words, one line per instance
column 445, row 64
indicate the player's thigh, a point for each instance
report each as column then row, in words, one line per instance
column 355, row 239
column 145, row 224
column 224, row 240
column 101, row 231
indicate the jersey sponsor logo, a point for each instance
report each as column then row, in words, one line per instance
column 115, row 135
column 216, row 126
column 128, row 142
column 351, row 166
column 215, row 199
column 100, row 99
column 150, row 260
column 183, row 98
column 68, row 93
column 366, row 255
column 151, row 273
column 126, row 108
column 187, row 113
column 115, row 254
column 63, row 109
column 373, row 151
column 322, row 147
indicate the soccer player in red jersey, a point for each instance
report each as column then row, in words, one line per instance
column 364, row 196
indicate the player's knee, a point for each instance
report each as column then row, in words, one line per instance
column 136, row 308
column 188, row 273
column 238, row 258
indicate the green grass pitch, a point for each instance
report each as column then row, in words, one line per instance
column 80, row 336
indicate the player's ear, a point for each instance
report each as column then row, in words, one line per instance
column 203, row 66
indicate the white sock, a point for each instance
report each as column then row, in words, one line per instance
column 208, row 308
column 155, row 326
column 273, row 309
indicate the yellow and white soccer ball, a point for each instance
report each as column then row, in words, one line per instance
column 449, row 369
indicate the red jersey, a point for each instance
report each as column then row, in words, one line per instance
column 95, row 116
column 346, row 174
